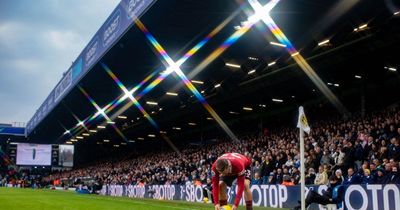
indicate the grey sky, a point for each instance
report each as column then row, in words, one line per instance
column 39, row 39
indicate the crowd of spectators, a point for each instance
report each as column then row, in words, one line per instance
column 21, row 178
column 359, row 150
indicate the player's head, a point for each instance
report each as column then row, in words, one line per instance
column 223, row 166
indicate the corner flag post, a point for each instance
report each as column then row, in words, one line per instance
column 302, row 124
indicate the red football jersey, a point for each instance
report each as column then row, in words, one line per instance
column 239, row 164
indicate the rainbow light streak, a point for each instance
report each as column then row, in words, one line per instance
column 137, row 104
column 101, row 111
column 133, row 90
column 187, row 55
column 75, row 127
column 297, row 56
column 207, row 106
column 190, row 53
column 175, row 67
column 229, row 41
column 217, row 52
column 79, row 124
column 113, row 104
column 76, row 131
column 130, row 96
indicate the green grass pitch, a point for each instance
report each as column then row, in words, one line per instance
column 28, row 199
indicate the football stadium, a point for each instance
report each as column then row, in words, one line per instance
column 213, row 104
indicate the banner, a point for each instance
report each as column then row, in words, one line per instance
column 8, row 130
column 360, row 197
column 120, row 20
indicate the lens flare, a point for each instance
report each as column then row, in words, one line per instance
column 110, row 106
column 231, row 40
column 186, row 56
column 129, row 95
column 101, row 112
column 277, row 32
column 175, row 67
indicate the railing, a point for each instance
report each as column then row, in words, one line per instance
column 19, row 124
column 14, row 124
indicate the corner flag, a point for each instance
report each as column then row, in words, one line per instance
column 302, row 123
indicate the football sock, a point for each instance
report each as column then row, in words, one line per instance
column 249, row 205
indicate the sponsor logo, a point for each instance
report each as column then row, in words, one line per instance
column 63, row 85
column 355, row 197
column 91, row 52
column 44, row 107
column 113, row 25
column 133, row 7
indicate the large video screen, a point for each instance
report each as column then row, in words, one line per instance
column 34, row 154
column 66, row 155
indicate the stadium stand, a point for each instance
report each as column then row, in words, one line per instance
column 366, row 150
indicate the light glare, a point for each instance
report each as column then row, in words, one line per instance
column 278, row 44
column 277, row 100
column 323, row 42
column 248, row 108
column 232, row 65
column 152, row 103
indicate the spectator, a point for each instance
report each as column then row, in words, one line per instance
column 207, row 191
column 256, row 168
column 295, row 175
column 393, row 177
column 380, row 177
column 394, row 151
column 322, row 177
column 338, row 175
column 366, row 179
column 326, row 158
column 310, row 176
column 272, row 178
column 279, row 176
column 256, row 180
column 327, row 196
column 352, row 178
column 287, row 181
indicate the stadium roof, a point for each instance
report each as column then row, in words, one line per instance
column 358, row 59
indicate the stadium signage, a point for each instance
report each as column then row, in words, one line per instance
column 91, row 52
column 162, row 191
column 63, row 85
column 8, row 130
column 101, row 42
column 110, row 33
column 134, row 6
column 373, row 197
column 135, row 191
column 360, row 197
column 192, row 193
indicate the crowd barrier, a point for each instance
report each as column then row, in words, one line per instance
column 360, row 197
